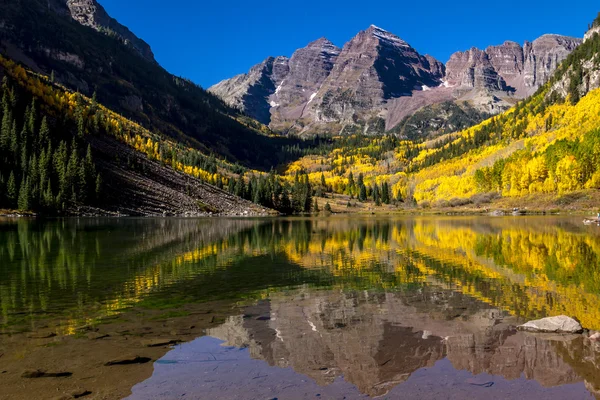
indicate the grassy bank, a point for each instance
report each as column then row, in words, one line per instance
column 584, row 202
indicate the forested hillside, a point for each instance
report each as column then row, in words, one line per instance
column 34, row 33
column 63, row 152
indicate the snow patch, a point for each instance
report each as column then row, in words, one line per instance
column 273, row 104
column 312, row 97
column 388, row 37
column 278, row 334
column 279, row 87
column 445, row 84
column 425, row 88
column 313, row 327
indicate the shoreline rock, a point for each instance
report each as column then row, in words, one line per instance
column 557, row 324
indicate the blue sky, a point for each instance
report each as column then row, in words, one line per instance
column 210, row 40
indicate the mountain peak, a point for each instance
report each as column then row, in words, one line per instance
column 376, row 28
column 325, row 46
column 91, row 13
column 386, row 37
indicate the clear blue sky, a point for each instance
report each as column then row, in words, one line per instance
column 210, row 40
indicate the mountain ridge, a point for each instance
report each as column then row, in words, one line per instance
column 490, row 80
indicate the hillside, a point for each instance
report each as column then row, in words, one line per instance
column 64, row 153
column 87, row 51
column 547, row 145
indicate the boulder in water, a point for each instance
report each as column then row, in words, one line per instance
column 558, row 324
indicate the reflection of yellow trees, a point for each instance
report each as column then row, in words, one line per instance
column 527, row 272
column 528, row 269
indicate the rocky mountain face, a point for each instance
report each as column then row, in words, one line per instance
column 308, row 69
column 280, row 89
column 510, row 67
column 250, row 92
column 374, row 67
column 377, row 80
column 580, row 73
column 90, row 13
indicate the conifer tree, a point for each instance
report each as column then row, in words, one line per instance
column 24, row 201
column 11, row 189
column 376, row 197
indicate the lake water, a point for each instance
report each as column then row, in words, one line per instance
column 331, row 308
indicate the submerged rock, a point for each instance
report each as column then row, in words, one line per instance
column 128, row 361
column 96, row 335
column 159, row 342
column 43, row 374
column 558, row 324
column 41, row 335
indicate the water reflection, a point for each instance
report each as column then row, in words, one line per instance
column 372, row 344
column 529, row 267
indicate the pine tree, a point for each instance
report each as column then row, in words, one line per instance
column 11, row 190
column 44, row 133
column 71, row 174
column 5, row 129
column 307, row 194
column 385, row 193
column 240, row 186
column 316, row 206
column 14, row 140
column 327, row 207
column 362, row 192
column 48, row 197
column 31, row 118
column 59, row 161
column 24, row 201
column 98, row 186
column 376, row 197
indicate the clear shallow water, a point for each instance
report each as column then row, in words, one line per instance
column 357, row 306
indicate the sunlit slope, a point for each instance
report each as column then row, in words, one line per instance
column 548, row 143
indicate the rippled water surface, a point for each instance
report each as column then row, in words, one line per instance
column 340, row 307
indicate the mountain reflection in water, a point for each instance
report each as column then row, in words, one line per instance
column 370, row 344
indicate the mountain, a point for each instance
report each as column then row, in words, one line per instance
column 541, row 154
column 63, row 153
column 250, row 92
column 91, row 13
column 510, row 67
column 544, row 151
column 372, row 68
column 377, row 81
column 88, row 51
column 278, row 90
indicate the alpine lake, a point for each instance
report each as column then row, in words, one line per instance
column 339, row 307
